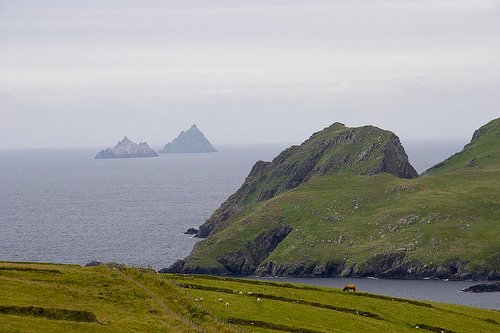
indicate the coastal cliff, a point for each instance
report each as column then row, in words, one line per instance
column 347, row 203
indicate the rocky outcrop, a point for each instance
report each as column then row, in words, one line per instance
column 127, row 149
column 93, row 263
column 180, row 267
column 383, row 266
column 190, row 141
column 483, row 288
column 176, row 267
column 388, row 266
column 191, row 231
column 394, row 160
column 243, row 262
column 246, row 262
column 364, row 150
column 299, row 269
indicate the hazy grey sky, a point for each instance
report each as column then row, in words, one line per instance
column 86, row 73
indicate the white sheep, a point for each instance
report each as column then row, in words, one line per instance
column 258, row 299
column 196, row 300
column 220, row 299
column 227, row 304
column 249, row 293
column 241, row 293
column 201, row 299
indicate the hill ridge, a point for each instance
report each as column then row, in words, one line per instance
column 365, row 150
column 477, row 153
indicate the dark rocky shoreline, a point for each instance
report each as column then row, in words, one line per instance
column 251, row 261
column 191, row 231
column 483, row 288
column 390, row 266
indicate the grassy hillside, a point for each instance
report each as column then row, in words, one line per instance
column 481, row 153
column 69, row 298
column 443, row 224
column 365, row 150
column 301, row 308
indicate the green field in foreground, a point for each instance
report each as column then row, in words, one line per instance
column 111, row 298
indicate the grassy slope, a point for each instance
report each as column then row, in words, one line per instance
column 129, row 300
column 122, row 301
column 484, row 150
column 327, row 310
column 455, row 209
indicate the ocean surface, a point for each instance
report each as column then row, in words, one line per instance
column 62, row 205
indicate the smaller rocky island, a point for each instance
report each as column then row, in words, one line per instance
column 191, row 231
column 483, row 288
column 190, row 141
column 127, row 149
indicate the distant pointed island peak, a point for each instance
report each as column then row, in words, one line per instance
column 124, row 140
column 127, row 149
column 190, row 141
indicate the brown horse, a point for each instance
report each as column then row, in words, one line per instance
column 349, row 287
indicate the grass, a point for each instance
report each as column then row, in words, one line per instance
column 116, row 299
column 300, row 308
column 119, row 299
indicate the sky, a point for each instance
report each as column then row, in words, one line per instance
column 85, row 73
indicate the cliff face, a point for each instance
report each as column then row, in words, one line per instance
column 395, row 265
column 190, row 141
column 127, row 149
column 336, row 149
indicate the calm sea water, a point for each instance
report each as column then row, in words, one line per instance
column 423, row 154
column 63, row 206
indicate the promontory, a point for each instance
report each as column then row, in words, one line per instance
column 348, row 203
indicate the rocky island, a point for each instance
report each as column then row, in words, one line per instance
column 190, row 141
column 348, row 203
column 483, row 288
column 127, row 149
